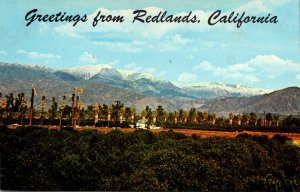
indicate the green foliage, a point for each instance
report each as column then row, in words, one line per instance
column 38, row 159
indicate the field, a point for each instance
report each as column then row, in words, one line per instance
column 189, row 132
column 36, row 158
column 202, row 133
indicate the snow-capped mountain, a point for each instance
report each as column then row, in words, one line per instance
column 217, row 90
column 105, row 84
column 138, row 82
column 87, row 71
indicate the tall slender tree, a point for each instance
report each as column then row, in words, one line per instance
column 61, row 110
column 43, row 107
column 33, row 93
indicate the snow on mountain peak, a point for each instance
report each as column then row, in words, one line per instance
column 87, row 71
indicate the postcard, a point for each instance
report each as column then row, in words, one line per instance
column 173, row 69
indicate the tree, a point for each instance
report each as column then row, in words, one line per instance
column 116, row 110
column 144, row 114
column 53, row 109
column 276, row 120
column 212, row 118
column 61, row 109
column 160, row 115
column 171, row 118
column 245, row 119
column 154, row 115
column 2, row 110
column 33, row 93
column 269, row 119
column 127, row 114
column 109, row 111
column 180, row 115
column 253, row 119
column 96, row 111
column 121, row 114
column 9, row 104
column 23, row 106
column 132, row 113
column 176, row 116
column 192, row 116
column 239, row 118
column 80, row 109
column 43, row 107
column 185, row 116
column 230, row 118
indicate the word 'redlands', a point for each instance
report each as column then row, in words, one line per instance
column 142, row 16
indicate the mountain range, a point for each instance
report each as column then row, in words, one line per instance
column 105, row 84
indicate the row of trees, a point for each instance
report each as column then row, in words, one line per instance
column 16, row 108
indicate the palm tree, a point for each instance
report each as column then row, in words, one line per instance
column 33, row 93
column 245, row 119
column 9, row 104
column 73, row 110
column 212, row 118
column 230, row 118
column 160, row 119
column 80, row 108
column 176, row 115
column 253, row 119
column 144, row 114
column 205, row 116
column 3, row 107
column 121, row 114
column 269, row 119
column 276, row 119
column 185, row 115
column 132, row 115
column 53, row 109
column 239, row 118
column 171, row 118
column 96, row 111
column 43, row 106
column 23, row 107
column 180, row 115
column 127, row 114
column 192, row 115
column 61, row 109
column 220, row 121
column 109, row 112
column 154, row 115
column 165, row 116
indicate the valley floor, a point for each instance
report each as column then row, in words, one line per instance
column 189, row 132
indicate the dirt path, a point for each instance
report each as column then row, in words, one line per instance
column 189, row 132
column 204, row 134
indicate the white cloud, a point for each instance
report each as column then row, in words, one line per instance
column 3, row 53
column 186, row 77
column 36, row 55
column 129, row 47
column 205, row 65
column 298, row 76
column 87, row 57
column 261, row 65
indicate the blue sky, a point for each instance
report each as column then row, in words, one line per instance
column 258, row 55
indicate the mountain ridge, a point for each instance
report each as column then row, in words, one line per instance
column 138, row 91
